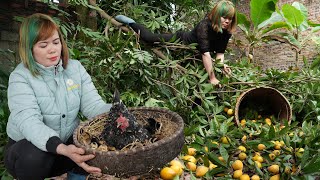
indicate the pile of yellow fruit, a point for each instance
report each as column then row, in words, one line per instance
column 187, row 162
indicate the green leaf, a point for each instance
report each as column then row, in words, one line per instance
column 293, row 15
column 261, row 10
column 313, row 166
column 272, row 133
column 242, row 19
column 305, row 156
column 215, row 160
column 276, row 25
column 224, row 153
column 275, row 17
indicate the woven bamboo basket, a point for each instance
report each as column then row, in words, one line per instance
column 139, row 160
column 267, row 98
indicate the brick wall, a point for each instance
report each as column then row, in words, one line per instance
column 9, row 27
column 280, row 55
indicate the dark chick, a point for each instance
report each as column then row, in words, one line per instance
column 122, row 127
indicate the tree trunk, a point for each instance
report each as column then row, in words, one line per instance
column 87, row 18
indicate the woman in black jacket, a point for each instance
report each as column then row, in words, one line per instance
column 211, row 34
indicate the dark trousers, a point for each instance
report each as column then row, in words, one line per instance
column 147, row 36
column 25, row 161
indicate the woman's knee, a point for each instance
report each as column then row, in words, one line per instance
column 25, row 158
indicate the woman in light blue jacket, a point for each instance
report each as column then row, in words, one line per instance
column 45, row 94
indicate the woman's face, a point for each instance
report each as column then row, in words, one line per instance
column 225, row 22
column 48, row 52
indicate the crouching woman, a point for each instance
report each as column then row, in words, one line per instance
column 45, row 94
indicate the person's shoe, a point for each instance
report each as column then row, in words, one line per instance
column 124, row 19
column 74, row 176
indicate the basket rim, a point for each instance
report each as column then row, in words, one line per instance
column 132, row 151
column 261, row 87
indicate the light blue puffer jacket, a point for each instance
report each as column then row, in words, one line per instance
column 47, row 105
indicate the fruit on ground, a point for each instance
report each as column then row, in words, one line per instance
column 244, row 138
column 242, row 148
column 176, row 163
column 230, row 112
column 212, row 166
column 191, row 166
column 274, row 169
column 244, row 177
column 201, row 171
column 225, row 140
column 276, row 152
column 189, row 158
column 177, row 169
column 242, row 156
column 221, row 159
column 167, row 173
column 258, row 164
column 268, row 121
column 237, row 174
column 237, row 165
column 272, row 156
column 275, row 177
column 191, row 151
column 261, row 147
column 255, row 177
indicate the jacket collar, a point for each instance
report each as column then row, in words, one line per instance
column 52, row 70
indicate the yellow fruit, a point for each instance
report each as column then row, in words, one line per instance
column 259, row 116
column 255, row 157
column 275, row 177
column 242, row 156
column 242, row 148
column 176, row 163
column 272, row 156
column 191, row 166
column 212, row 166
column 221, row 159
column 243, row 122
column 255, row 177
column 299, row 152
column 244, row 138
column 261, row 147
column 260, row 159
column 244, row 177
column 189, row 158
column 201, row 171
column 274, row 169
column 268, row 121
column 301, row 133
column 237, row 174
column 215, row 142
column 191, row 151
column 277, row 146
column 225, row 109
column 276, row 152
column 230, row 112
column 177, row 169
column 225, row 140
column 237, row 165
column 167, row 173
column 206, row 149
column 258, row 164
column 287, row 170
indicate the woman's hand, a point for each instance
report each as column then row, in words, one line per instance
column 78, row 156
